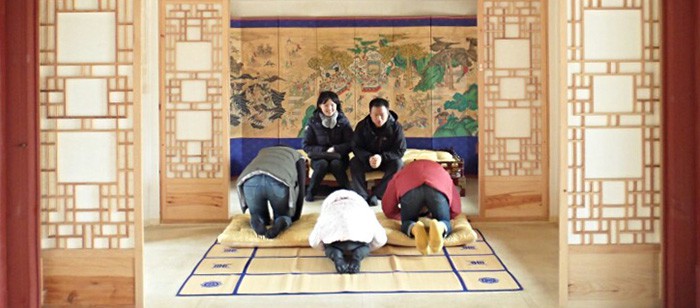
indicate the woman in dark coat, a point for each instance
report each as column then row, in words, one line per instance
column 327, row 139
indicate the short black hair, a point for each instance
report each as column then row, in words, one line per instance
column 378, row 102
column 326, row 95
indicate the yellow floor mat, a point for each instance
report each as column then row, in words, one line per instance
column 234, row 271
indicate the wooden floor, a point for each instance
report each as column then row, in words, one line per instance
column 529, row 250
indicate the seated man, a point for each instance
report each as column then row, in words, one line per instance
column 276, row 175
column 423, row 188
column 378, row 143
column 347, row 230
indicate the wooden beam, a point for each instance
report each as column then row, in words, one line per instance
column 681, row 134
column 19, row 131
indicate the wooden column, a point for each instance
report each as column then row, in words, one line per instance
column 19, row 169
column 681, row 113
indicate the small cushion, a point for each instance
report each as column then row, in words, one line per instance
column 436, row 156
column 462, row 232
column 240, row 234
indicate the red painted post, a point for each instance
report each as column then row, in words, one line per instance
column 681, row 138
column 19, row 161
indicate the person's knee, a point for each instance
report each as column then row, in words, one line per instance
column 356, row 164
column 336, row 164
column 357, row 169
column 393, row 166
column 320, row 164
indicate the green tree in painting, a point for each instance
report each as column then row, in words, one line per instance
column 307, row 115
column 433, row 71
column 327, row 57
column 466, row 125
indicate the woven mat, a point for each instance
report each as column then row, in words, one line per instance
column 237, row 271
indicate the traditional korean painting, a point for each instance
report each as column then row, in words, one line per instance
column 279, row 71
column 424, row 67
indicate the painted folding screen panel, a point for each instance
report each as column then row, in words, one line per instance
column 513, row 159
column 194, row 111
column 424, row 66
column 90, row 144
column 613, row 147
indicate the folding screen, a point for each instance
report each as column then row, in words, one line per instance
column 194, row 110
column 513, row 147
column 90, row 143
column 613, row 148
column 425, row 66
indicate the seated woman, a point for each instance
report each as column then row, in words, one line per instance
column 348, row 230
column 423, row 188
column 276, row 175
column 327, row 140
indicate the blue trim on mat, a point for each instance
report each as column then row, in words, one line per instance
column 353, row 22
column 195, row 268
column 446, row 254
column 245, row 269
column 504, row 266
column 336, row 273
column 454, row 269
column 323, row 257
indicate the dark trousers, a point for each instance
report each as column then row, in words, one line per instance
column 415, row 200
column 358, row 169
column 337, row 167
column 257, row 192
column 346, row 255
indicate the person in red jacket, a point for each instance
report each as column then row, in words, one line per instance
column 422, row 188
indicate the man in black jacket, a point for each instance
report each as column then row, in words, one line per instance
column 378, row 144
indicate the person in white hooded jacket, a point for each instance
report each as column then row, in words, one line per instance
column 347, row 229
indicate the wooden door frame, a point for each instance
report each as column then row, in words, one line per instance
column 19, row 169
column 19, row 156
column 681, row 139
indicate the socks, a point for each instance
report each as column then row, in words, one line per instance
column 437, row 236
column 421, row 237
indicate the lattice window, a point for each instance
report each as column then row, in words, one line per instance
column 87, row 112
column 614, row 131
column 194, row 115
column 514, row 108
